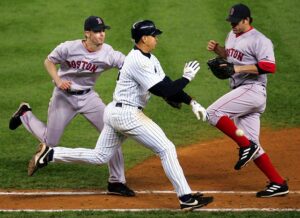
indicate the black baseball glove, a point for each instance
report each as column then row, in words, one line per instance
column 221, row 68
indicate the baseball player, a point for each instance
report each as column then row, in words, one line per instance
column 81, row 63
column 140, row 76
column 252, row 56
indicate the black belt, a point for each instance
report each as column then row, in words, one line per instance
column 79, row 92
column 119, row 104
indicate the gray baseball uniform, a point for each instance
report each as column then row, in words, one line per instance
column 82, row 68
column 247, row 100
column 124, row 118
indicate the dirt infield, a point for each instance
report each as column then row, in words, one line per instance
column 208, row 167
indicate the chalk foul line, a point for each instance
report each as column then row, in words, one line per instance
column 46, row 193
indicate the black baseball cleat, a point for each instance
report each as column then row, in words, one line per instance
column 274, row 189
column 118, row 188
column 246, row 154
column 195, row 201
column 15, row 120
column 43, row 155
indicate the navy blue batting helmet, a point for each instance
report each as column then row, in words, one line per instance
column 144, row 28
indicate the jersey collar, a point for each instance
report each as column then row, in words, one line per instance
column 239, row 34
column 148, row 55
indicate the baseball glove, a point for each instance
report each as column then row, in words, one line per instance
column 221, row 68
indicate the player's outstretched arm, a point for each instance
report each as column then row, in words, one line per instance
column 175, row 100
column 167, row 87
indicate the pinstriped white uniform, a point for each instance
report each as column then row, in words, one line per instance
column 138, row 74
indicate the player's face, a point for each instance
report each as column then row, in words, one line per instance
column 240, row 27
column 151, row 42
column 97, row 38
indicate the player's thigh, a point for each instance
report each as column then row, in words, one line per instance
column 238, row 102
column 93, row 110
column 148, row 133
column 109, row 140
column 60, row 113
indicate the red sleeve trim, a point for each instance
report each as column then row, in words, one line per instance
column 267, row 66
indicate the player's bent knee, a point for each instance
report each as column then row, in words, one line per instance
column 51, row 143
column 212, row 116
column 170, row 150
column 102, row 158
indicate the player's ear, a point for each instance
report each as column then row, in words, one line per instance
column 247, row 20
column 87, row 34
column 144, row 39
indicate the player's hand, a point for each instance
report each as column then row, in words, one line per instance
column 212, row 45
column 198, row 110
column 63, row 84
column 190, row 70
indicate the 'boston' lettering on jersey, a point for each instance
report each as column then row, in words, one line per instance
column 82, row 65
column 234, row 53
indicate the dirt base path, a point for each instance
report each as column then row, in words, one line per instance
column 208, row 167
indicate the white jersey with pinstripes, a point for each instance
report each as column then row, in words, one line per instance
column 139, row 73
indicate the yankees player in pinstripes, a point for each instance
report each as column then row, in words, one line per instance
column 140, row 75
column 253, row 57
column 81, row 63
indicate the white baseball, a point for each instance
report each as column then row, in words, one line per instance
column 239, row 132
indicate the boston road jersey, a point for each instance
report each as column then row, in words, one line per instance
column 82, row 67
column 247, row 49
column 139, row 73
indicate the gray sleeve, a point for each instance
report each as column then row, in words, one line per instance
column 116, row 59
column 264, row 50
column 59, row 54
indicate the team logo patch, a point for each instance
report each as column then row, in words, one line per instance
column 99, row 20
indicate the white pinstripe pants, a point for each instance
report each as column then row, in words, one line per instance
column 123, row 122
